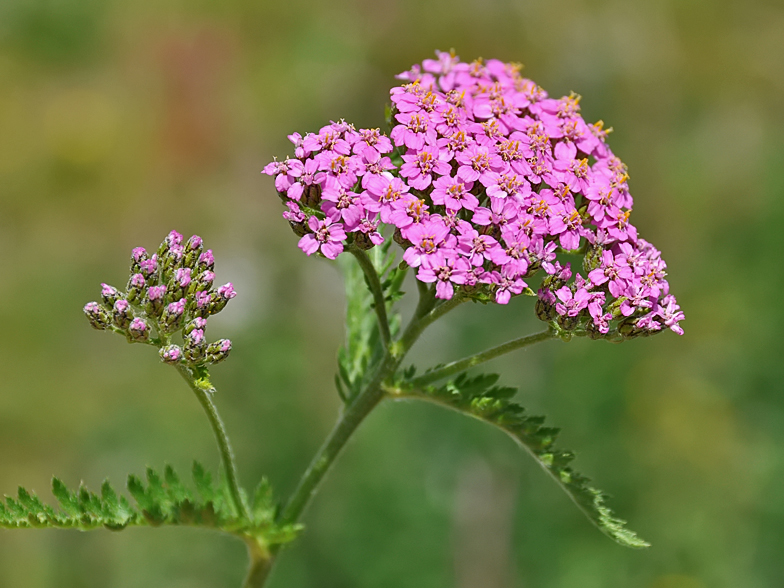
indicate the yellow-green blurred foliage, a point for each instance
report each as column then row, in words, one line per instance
column 120, row 120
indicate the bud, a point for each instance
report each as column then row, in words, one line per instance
column 362, row 240
column 180, row 282
column 300, row 229
column 149, row 269
column 97, row 315
column 206, row 261
column 171, row 354
column 197, row 323
column 121, row 313
column 155, row 296
column 629, row 329
column 139, row 330
column 545, row 306
column 173, row 316
column 136, row 285
column 172, row 259
column 173, row 239
column 109, row 294
column 138, row 255
column 400, row 239
column 193, row 249
column 225, row 293
column 195, row 346
column 218, row 351
column 592, row 259
column 568, row 323
column 203, row 303
column 312, row 196
column 202, row 282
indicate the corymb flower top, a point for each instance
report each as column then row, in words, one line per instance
column 484, row 180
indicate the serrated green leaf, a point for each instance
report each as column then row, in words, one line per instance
column 161, row 501
column 477, row 396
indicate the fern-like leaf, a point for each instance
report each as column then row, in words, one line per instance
column 158, row 501
column 363, row 349
column 481, row 398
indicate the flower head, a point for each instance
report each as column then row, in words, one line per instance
column 490, row 179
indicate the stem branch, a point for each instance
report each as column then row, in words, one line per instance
column 486, row 355
column 361, row 406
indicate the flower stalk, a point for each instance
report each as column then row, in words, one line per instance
column 379, row 304
column 461, row 365
column 204, row 390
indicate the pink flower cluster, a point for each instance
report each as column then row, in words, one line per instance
column 484, row 180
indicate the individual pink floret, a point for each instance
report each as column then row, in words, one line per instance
column 327, row 237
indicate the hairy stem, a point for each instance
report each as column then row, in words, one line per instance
column 348, row 422
column 486, row 355
column 204, row 390
column 378, row 292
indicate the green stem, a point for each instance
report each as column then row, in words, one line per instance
column 362, row 405
column 348, row 422
column 204, row 390
column 261, row 561
column 378, row 292
column 486, row 355
column 425, row 315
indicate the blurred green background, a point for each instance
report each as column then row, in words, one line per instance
column 122, row 120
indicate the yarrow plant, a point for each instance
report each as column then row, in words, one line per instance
column 484, row 189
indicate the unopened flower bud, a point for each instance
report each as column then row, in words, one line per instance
column 362, row 240
column 148, row 268
column 197, row 323
column 312, row 196
column 568, row 323
column 171, row 354
column 206, row 261
column 195, row 346
column 629, row 329
column 109, row 294
column 545, row 306
column 203, row 304
column 592, row 259
column 173, row 315
column 97, row 315
column 225, row 293
column 121, row 313
column 218, row 351
column 138, row 255
column 173, row 239
column 203, row 281
column 136, row 285
column 155, row 296
column 139, row 330
column 300, row 229
column 193, row 249
column 180, row 282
